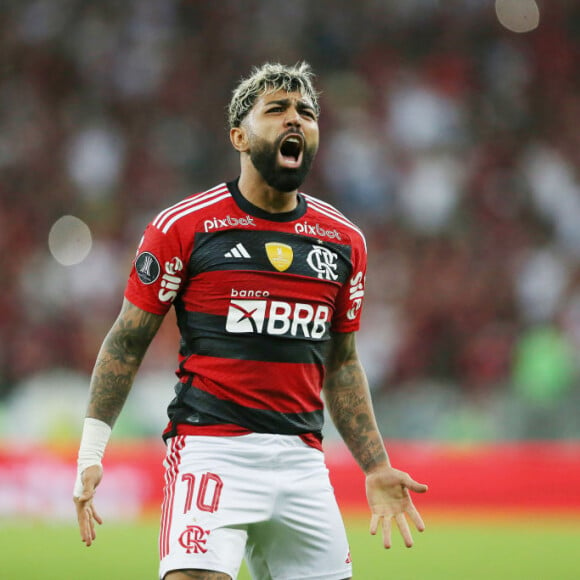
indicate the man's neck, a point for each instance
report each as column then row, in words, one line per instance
column 253, row 187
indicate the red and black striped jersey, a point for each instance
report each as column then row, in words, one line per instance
column 257, row 296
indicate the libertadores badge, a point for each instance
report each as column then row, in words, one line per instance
column 280, row 255
column 147, row 267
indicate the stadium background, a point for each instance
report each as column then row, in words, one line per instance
column 450, row 139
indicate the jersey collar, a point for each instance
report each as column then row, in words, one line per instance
column 249, row 208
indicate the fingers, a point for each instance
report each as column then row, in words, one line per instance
column 404, row 529
column 86, row 526
column 84, row 517
column 87, row 516
column 387, row 533
column 386, row 528
column 374, row 524
column 86, row 513
column 413, row 485
column 389, row 496
column 402, row 524
column 98, row 518
column 416, row 518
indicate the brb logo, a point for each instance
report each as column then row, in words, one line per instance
column 274, row 317
column 193, row 539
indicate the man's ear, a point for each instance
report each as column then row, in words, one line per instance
column 239, row 139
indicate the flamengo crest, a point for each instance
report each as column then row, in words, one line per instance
column 324, row 262
column 193, row 539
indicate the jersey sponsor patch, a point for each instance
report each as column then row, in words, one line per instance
column 316, row 231
column 277, row 318
column 171, row 280
column 356, row 294
column 228, row 222
column 147, row 267
column 246, row 316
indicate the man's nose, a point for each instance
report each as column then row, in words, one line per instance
column 292, row 118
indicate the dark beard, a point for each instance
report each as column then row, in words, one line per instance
column 264, row 156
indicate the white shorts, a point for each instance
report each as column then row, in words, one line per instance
column 264, row 496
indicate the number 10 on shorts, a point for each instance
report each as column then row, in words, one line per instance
column 206, row 489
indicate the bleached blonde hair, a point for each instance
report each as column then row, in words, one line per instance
column 269, row 78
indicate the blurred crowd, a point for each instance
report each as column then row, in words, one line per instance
column 450, row 140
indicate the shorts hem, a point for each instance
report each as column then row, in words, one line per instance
column 213, row 567
column 337, row 575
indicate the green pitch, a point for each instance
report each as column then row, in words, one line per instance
column 467, row 548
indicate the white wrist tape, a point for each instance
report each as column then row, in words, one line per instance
column 94, row 440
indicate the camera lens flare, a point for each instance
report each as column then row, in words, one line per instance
column 69, row 240
column 518, row 15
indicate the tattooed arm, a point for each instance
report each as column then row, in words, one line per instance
column 117, row 363
column 119, row 359
column 349, row 404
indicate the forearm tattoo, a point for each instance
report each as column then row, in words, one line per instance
column 349, row 403
column 118, row 361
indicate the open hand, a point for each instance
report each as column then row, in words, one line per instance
column 86, row 513
column 388, row 496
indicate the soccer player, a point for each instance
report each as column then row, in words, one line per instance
column 267, row 283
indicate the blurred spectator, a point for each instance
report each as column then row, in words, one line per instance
column 452, row 141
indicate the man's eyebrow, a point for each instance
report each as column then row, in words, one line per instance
column 301, row 104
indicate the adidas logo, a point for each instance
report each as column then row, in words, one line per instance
column 238, row 251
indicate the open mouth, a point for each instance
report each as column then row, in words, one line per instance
column 291, row 151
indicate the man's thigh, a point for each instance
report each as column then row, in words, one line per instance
column 275, row 488
column 305, row 539
column 208, row 501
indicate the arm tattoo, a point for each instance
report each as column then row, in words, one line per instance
column 349, row 403
column 118, row 361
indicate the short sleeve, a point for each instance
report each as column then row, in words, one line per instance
column 158, row 271
column 350, row 298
